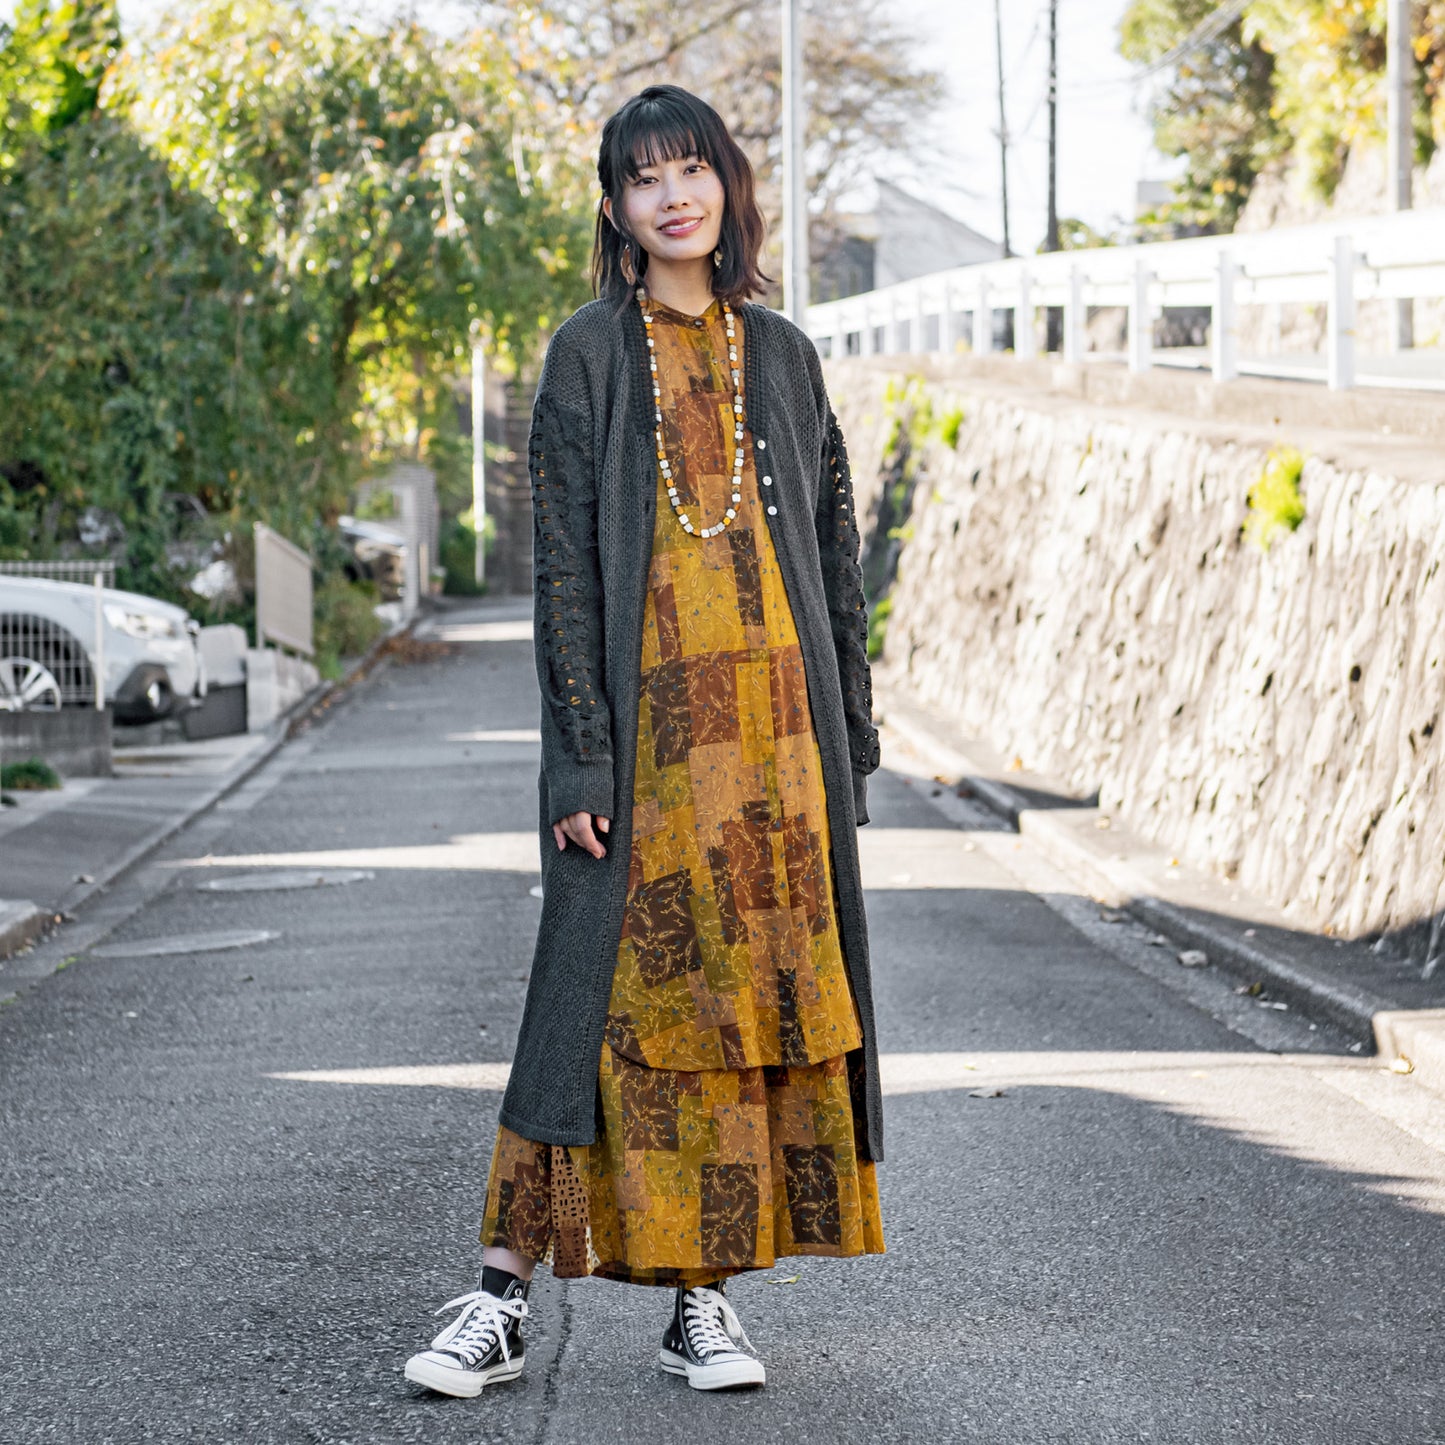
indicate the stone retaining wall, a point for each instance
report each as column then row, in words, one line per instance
column 1073, row 586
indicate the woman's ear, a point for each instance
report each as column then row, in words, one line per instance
column 607, row 210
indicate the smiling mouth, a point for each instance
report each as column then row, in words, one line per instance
column 681, row 228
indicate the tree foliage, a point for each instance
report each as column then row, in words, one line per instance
column 276, row 240
column 246, row 254
column 1213, row 108
column 866, row 94
column 1296, row 79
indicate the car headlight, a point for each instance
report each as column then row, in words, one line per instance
column 145, row 625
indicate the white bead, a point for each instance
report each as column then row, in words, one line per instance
column 730, row 511
column 737, row 496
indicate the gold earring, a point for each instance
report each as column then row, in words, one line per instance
column 717, row 258
column 629, row 271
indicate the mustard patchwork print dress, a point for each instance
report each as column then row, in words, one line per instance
column 726, row 1133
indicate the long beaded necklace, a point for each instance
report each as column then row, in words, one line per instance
column 666, row 466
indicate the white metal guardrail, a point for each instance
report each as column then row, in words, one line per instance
column 283, row 592
column 1337, row 264
column 43, row 665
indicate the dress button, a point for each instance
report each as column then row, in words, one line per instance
column 762, row 445
column 772, row 511
column 767, row 481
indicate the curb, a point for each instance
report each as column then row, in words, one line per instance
column 20, row 922
column 283, row 729
column 1415, row 1038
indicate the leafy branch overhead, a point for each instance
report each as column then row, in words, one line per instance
column 246, row 254
column 1287, row 81
column 867, row 96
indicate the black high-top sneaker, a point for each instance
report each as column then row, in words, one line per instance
column 483, row 1345
column 706, row 1342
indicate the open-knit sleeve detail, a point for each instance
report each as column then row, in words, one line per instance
column 577, row 756
column 838, row 547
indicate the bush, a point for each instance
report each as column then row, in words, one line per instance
column 459, row 555
column 346, row 623
column 878, row 627
column 32, row 775
column 1274, row 500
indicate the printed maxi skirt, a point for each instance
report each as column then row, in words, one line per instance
column 727, row 1133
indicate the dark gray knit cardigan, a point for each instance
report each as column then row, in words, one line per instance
column 594, row 476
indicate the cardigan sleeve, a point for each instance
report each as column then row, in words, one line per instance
column 838, row 549
column 567, row 587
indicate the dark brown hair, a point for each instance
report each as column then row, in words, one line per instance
column 667, row 123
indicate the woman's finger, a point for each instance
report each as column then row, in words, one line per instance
column 578, row 827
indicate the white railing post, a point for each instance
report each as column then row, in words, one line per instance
column 99, row 641
column 1074, row 316
column 919, row 343
column 1341, row 339
column 1025, row 345
column 949, row 323
column 1223, row 330
column 982, row 319
column 865, row 332
column 1141, row 324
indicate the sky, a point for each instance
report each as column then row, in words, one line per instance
column 1104, row 136
column 1105, row 140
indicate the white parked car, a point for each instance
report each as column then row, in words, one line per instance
column 151, row 662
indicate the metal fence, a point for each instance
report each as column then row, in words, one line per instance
column 1397, row 258
column 43, row 664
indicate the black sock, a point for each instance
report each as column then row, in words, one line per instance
column 498, row 1281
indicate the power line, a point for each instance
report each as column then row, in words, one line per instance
column 1210, row 28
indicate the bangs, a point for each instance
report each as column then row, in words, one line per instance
column 654, row 133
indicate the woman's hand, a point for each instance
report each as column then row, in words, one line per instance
column 578, row 828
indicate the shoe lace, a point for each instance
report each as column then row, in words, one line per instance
column 482, row 1323
column 712, row 1323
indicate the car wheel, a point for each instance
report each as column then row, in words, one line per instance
column 159, row 697
column 28, row 685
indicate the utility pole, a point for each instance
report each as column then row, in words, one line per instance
column 1400, row 130
column 1002, row 120
column 479, row 458
column 1051, row 233
column 795, row 181
column 1054, row 320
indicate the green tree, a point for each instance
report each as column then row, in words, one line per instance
column 52, row 61
column 1213, row 108
column 1289, row 81
column 392, row 206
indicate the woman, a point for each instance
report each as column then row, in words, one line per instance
column 706, row 736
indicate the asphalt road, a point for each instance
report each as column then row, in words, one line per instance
column 1124, row 1203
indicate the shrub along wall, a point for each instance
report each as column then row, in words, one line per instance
column 1242, row 648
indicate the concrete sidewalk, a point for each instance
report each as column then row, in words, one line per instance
column 1379, row 1000
column 60, row 848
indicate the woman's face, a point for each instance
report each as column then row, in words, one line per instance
column 674, row 209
